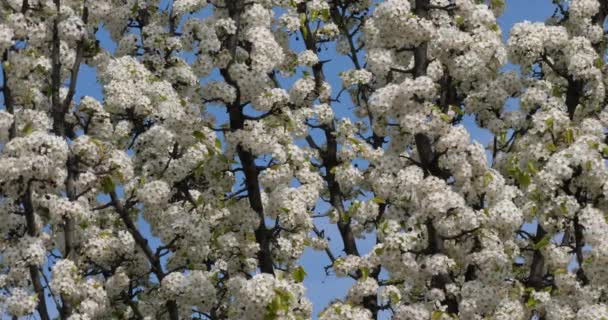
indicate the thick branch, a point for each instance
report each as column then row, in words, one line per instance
column 142, row 243
column 247, row 159
column 9, row 100
column 33, row 270
column 536, row 279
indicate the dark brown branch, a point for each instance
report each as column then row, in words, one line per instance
column 536, row 278
column 9, row 100
column 247, row 159
column 33, row 270
column 142, row 243
column 76, row 66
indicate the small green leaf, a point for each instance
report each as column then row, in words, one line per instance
column 551, row 147
column 599, row 63
column 394, row 297
column 29, row 128
column 345, row 216
column 378, row 200
column 218, row 143
column 325, row 14
column 200, row 200
column 563, row 208
column 549, row 122
column 436, row 315
column 364, row 273
column 497, row 4
column 445, row 118
column 107, row 184
column 459, row 21
column 198, row 135
column 593, row 144
column 543, row 242
column 503, row 137
column 531, row 168
column 523, row 179
column 299, row 274
column 531, row 303
column 569, row 136
column 487, row 178
column 557, row 92
column 457, row 110
column 303, row 26
column 379, row 251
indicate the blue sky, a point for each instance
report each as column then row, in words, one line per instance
column 323, row 288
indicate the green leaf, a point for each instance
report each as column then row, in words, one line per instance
column 531, row 303
column 459, row 21
column 457, row 110
column 445, row 118
column 599, row 63
column 200, row 200
column 543, row 242
column 569, row 136
column 303, row 25
column 107, row 184
column 378, row 200
column 605, row 151
column 272, row 310
column 523, row 179
column 29, row 128
column 487, row 178
column 557, row 92
column 325, row 14
column 345, row 216
column 593, row 144
column 436, row 315
column 563, row 208
column 384, row 226
column 549, row 122
column 394, row 297
column 364, row 273
column 299, row 274
column 498, row 4
column 551, row 147
column 198, row 135
column 218, row 143
column 531, row 168
column 379, row 251
column 503, row 138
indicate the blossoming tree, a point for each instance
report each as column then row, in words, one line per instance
column 143, row 204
